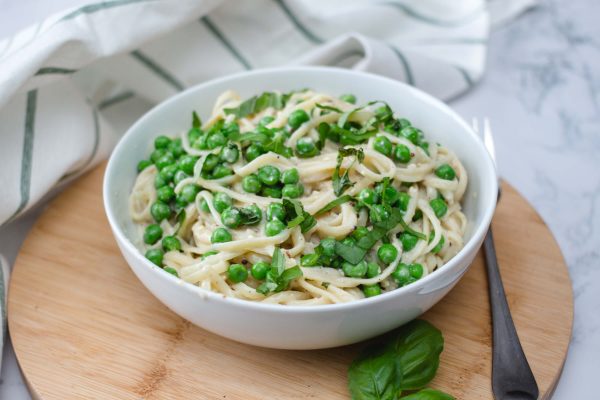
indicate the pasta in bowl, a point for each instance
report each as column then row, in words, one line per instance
column 327, row 230
column 300, row 198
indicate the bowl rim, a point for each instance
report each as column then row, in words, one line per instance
column 470, row 246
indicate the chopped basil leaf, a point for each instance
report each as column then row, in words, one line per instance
column 341, row 183
column 196, row 123
column 329, row 108
column 256, row 104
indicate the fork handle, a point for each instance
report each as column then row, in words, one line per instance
column 512, row 378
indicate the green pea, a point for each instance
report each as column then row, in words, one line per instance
column 292, row 191
column 446, row 172
column 253, row 215
column 403, row 200
column 264, row 121
column 231, row 217
column 349, row 241
column 201, row 143
column 176, row 148
column 204, row 206
column 438, row 247
column 269, row 175
column 165, row 194
column 160, row 211
column 171, row 243
column 220, row 235
column 383, row 145
column 208, row 254
column 348, row 98
column 188, row 193
column 409, row 241
column 371, row 290
column 328, row 246
column 230, row 154
column 221, row 171
column 309, row 260
column 194, row 134
column 390, row 195
column 143, row 164
column 290, row 176
column 251, row 184
column 253, row 151
column 305, row 147
column 403, row 122
column 155, row 255
column 159, row 181
column 161, row 142
column 274, row 227
column 237, row 273
column 373, row 270
column 222, row 201
column 360, row 232
column 401, row 274
column 439, row 207
column 402, row 153
column 411, row 134
column 368, row 196
column 259, row 270
column 187, row 163
column 274, row 192
column 165, row 160
column 152, row 233
column 215, row 140
column 355, row 270
column 378, row 213
column 275, row 211
column 387, row 253
column 210, row 162
column 179, row 176
column 168, row 172
column 416, row 270
column 297, row 118
column 230, row 128
column 156, row 154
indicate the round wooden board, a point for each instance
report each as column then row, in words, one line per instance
column 84, row 327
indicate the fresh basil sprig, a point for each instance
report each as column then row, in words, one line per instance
column 408, row 362
column 341, row 183
column 295, row 215
column 256, row 104
column 334, row 203
column 278, row 277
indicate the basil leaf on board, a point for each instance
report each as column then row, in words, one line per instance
column 374, row 375
column 428, row 394
column 256, row 104
column 418, row 345
column 196, row 122
column 333, row 204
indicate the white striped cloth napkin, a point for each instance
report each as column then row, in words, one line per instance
column 71, row 84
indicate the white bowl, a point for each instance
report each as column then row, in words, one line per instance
column 301, row 327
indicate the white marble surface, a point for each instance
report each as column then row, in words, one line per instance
column 542, row 94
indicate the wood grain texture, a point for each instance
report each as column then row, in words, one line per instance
column 83, row 326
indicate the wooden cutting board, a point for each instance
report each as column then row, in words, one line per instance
column 84, row 327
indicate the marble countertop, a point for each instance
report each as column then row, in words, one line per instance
column 541, row 93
